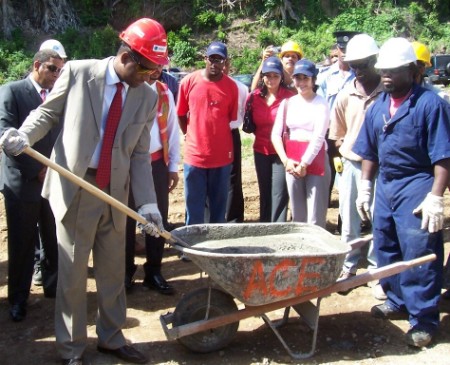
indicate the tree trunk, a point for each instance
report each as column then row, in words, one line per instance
column 8, row 22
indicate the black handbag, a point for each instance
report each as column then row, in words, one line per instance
column 248, row 125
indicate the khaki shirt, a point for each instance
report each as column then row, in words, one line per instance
column 348, row 117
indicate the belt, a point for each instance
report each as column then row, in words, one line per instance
column 155, row 156
column 91, row 172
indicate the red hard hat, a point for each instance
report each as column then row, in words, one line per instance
column 148, row 38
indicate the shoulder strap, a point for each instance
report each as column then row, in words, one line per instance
column 285, row 128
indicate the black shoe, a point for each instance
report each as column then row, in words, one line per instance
column 18, row 312
column 74, row 361
column 157, row 282
column 385, row 311
column 446, row 295
column 125, row 353
column 418, row 338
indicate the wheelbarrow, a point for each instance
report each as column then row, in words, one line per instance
column 267, row 267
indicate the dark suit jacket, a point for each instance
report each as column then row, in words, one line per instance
column 19, row 174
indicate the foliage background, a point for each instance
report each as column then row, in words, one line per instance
column 89, row 28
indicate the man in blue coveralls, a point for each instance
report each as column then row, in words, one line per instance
column 406, row 137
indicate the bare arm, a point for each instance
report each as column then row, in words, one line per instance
column 182, row 121
column 257, row 78
column 441, row 177
column 368, row 170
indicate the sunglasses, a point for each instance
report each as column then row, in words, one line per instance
column 216, row 60
column 52, row 68
column 359, row 66
column 141, row 68
column 393, row 71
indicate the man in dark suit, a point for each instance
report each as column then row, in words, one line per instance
column 21, row 182
column 108, row 110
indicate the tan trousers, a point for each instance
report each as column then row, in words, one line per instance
column 88, row 227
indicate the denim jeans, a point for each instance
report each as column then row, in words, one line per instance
column 201, row 185
column 351, row 221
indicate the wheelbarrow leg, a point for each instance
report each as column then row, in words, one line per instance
column 310, row 315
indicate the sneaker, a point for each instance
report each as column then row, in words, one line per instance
column 378, row 292
column 37, row 276
column 418, row 338
column 185, row 258
column 385, row 311
column 344, row 276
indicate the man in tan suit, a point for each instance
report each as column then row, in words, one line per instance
column 83, row 100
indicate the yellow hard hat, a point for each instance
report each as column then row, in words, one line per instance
column 422, row 53
column 291, row 46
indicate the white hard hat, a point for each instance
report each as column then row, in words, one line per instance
column 395, row 52
column 361, row 46
column 54, row 45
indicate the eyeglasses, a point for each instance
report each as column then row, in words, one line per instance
column 52, row 68
column 216, row 60
column 141, row 68
column 393, row 71
column 359, row 66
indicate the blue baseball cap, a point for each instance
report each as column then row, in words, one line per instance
column 305, row 67
column 217, row 48
column 272, row 64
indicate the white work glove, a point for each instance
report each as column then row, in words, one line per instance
column 14, row 141
column 363, row 200
column 432, row 209
column 155, row 224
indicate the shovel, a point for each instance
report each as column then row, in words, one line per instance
column 100, row 194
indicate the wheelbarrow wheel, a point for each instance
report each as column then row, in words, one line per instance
column 192, row 308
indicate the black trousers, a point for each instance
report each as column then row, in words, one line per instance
column 23, row 219
column 235, row 203
column 154, row 247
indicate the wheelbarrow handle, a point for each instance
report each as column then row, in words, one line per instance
column 97, row 192
column 360, row 242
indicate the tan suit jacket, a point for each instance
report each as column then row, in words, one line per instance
column 76, row 101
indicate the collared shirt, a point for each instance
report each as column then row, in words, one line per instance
column 428, row 85
column 348, row 116
column 111, row 79
column 407, row 145
column 37, row 86
column 333, row 81
column 173, row 133
column 243, row 93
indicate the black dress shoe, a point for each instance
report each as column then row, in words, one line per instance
column 126, row 353
column 18, row 312
column 74, row 361
column 157, row 282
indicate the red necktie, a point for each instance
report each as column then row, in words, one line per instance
column 104, row 165
column 43, row 94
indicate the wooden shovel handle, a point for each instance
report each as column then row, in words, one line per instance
column 91, row 189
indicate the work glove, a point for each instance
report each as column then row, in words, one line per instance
column 14, row 141
column 432, row 209
column 154, row 220
column 363, row 200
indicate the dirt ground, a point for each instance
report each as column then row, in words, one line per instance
column 347, row 333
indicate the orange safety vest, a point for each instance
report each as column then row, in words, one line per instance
column 162, row 116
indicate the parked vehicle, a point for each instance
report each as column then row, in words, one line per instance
column 439, row 72
column 246, row 79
